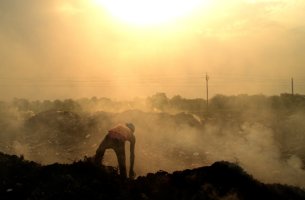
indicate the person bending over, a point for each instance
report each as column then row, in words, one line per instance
column 115, row 139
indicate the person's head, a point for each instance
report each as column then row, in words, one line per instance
column 131, row 126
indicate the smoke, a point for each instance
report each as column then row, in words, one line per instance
column 270, row 149
column 173, row 147
column 256, row 150
column 165, row 143
column 99, row 56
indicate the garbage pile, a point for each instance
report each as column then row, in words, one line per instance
column 22, row 179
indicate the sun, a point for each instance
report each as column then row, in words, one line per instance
column 150, row 12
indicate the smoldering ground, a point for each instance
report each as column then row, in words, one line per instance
column 272, row 151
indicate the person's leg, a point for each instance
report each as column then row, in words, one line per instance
column 120, row 153
column 101, row 150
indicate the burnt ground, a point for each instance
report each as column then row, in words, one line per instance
column 22, row 179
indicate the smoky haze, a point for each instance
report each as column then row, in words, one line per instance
column 73, row 49
column 65, row 51
column 264, row 135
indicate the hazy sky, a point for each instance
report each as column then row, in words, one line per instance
column 75, row 48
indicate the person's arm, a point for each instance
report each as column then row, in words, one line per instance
column 132, row 157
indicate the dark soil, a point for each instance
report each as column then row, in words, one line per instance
column 21, row 179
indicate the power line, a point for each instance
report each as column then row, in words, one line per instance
column 175, row 80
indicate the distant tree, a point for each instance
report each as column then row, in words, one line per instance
column 70, row 105
column 187, row 105
column 176, row 102
column 94, row 99
column 158, row 101
column 47, row 105
column 219, row 102
column 21, row 104
column 57, row 105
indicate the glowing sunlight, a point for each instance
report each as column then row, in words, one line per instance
column 150, row 12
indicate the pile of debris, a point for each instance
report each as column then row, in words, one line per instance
column 21, row 179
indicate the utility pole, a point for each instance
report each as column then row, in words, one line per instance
column 207, row 89
column 292, row 88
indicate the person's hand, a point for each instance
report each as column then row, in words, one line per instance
column 132, row 174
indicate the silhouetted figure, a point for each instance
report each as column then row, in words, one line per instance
column 115, row 139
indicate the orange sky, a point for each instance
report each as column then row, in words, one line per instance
column 77, row 48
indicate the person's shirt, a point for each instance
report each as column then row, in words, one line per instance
column 120, row 132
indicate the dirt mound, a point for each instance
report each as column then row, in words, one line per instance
column 21, row 179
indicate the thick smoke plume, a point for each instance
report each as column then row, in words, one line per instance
column 265, row 138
